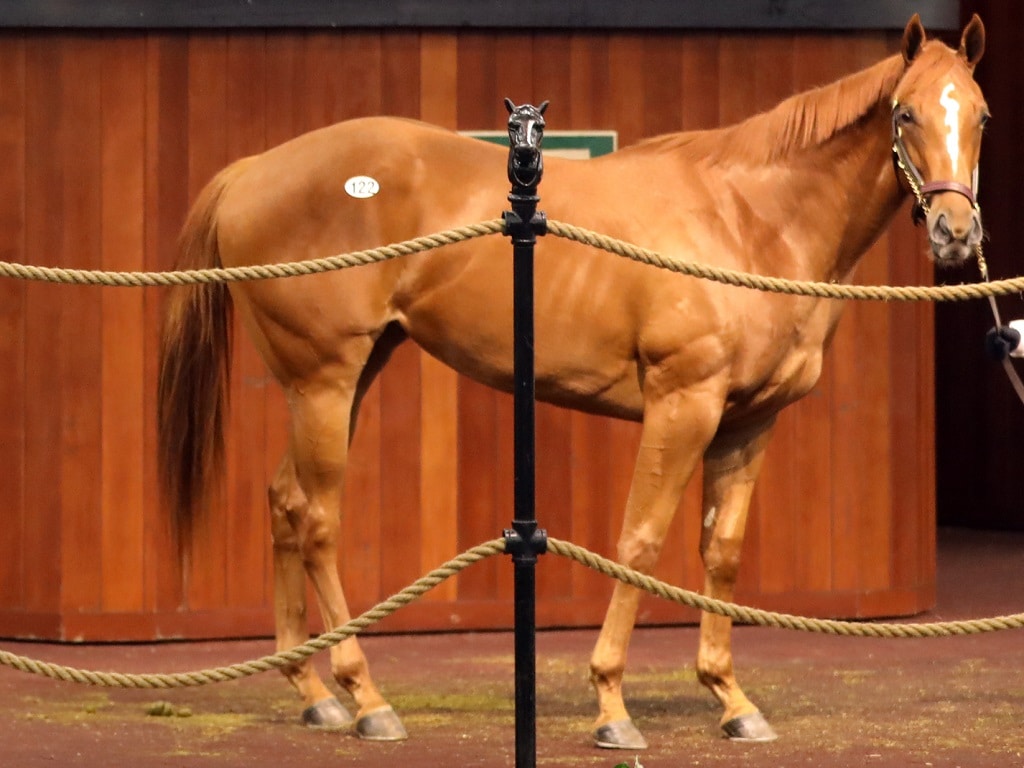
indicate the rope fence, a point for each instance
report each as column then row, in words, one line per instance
column 738, row 613
column 827, row 290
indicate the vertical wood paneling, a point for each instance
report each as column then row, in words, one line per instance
column 504, row 486
column 551, row 79
column 862, row 505
column 554, row 489
column 625, row 83
column 587, row 101
column 44, row 206
column 115, row 136
column 79, row 372
column 122, row 192
column 400, row 74
column 912, row 411
column 478, row 514
column 400, row 452
column 323, row 50
column 13, row 311
column 662, row 77
column 593, row 500
column 698, row 91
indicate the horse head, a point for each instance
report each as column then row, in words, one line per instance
column 525, row 133
column 937, row 119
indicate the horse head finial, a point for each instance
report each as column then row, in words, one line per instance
column 525, row 133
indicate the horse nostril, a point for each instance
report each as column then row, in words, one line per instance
column 974, row 236
column 941, row 232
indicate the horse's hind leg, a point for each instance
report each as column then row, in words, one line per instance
column 730, row 471
column 321, row 412
column 288, row 503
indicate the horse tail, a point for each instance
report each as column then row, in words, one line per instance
column 194, row 371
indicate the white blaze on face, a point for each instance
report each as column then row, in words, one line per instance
column 952, row 107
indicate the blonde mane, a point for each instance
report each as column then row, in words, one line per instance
column 804, row 120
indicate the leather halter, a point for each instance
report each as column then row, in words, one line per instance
column 921, row 188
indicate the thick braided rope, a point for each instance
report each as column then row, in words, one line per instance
column 496, row 226
column 781, row 285
column 255, row 272
column 591, row 560
column 780, row 620
column 265, row 663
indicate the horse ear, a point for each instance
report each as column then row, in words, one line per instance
column 509, row 105
column 913, row 38
column 972, row 43
column 543, row 106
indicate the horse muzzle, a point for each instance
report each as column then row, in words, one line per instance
column 954, row 230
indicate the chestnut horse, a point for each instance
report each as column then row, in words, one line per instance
column 800, row 191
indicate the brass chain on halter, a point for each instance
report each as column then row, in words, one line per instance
column 906, row 166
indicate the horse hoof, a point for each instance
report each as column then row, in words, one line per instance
column 749, row 727
column 620, row 734
column 327, row 714
column 381, row 725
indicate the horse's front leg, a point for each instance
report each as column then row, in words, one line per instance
column 676, row 429
column 731, row 466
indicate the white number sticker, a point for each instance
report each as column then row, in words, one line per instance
column 362, row 187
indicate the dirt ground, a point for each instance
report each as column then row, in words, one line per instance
column 835, row 702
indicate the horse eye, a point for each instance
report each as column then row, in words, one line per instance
column 906, row 116
column 985, row 117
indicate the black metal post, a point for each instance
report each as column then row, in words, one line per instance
column 525, row 541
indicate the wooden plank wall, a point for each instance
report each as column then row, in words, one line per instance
column 106, row 137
